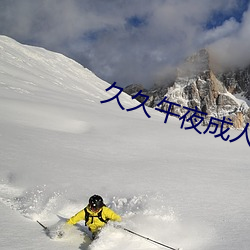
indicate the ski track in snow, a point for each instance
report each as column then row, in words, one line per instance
column 42, row 116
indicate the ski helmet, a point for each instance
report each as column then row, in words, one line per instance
column 95, row 202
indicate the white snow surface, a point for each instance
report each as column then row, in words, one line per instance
column 60, row 145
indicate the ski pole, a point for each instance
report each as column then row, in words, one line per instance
column 45, row 228
column 146, row 238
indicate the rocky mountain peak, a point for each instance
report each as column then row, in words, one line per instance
column 197, row 64
column 197, row 86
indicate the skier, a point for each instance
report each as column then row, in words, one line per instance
column 95, row 214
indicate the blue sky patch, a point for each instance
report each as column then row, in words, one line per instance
column 219, row 17
column 136, row 21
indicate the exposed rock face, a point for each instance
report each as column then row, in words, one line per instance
column 237, row 81
column 196, row 85
column 133, row 89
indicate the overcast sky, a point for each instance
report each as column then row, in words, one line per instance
column 131, row 41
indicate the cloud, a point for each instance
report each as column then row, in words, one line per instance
column 233, row 49
column 125, row 41
column 228, row 28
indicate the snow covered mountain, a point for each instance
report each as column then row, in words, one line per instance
column 198, row 85
column 60, row 145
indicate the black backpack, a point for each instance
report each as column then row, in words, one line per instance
column 88, row 216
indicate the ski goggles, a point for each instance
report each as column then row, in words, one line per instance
column 94, row 208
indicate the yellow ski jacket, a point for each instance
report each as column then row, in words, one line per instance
column 94, row 223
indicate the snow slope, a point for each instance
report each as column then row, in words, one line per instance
column 59, row 145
